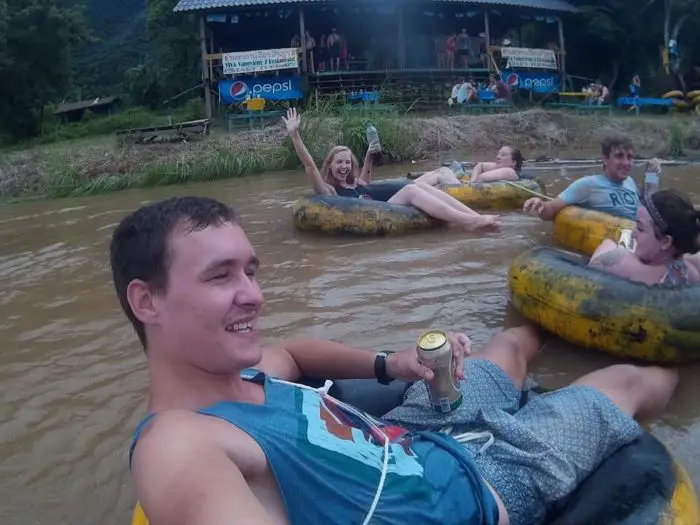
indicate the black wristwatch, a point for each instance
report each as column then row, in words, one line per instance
column 380, row 369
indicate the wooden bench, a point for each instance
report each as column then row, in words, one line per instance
column 580, row 108
column 252, row 116
column 180, row 131
column 371, row 108
column 478, row 108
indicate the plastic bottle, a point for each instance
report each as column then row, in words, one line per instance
column 651, row 176
column 373, row 138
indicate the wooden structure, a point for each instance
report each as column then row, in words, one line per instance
column 179, row 132
column 216, row 35
column 100, row 106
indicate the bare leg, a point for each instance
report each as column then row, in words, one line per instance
column 512, row 350
column 414, row 195
column 447, row 199
column 641, row 392
column 439, row 177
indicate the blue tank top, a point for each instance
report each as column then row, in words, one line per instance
column 328, row 462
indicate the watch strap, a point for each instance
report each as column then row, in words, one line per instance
column 380, row 368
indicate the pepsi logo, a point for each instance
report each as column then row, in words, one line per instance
column 512, row 80
column 239, row 90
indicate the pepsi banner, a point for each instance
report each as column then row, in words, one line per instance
column 269, row 88
column 539, row 82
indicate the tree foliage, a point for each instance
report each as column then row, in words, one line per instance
column 35, row 51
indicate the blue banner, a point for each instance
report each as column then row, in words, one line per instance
column 269, row 88
column 539, row 82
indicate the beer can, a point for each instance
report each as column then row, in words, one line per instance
column 435, row 352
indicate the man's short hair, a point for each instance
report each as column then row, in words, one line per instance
column 610, row 144
column 139, row 246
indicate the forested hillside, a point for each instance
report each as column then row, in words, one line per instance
column 120, row 41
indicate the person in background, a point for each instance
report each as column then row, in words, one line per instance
column 450, row 48
column 614, row 191
column 340, row 175
column 322, row 53
column 457, row 89
column 310, row 46
column 635, row 90
column 335, row 46
column 509, row 162
column 499, row 88
column 463, row 49
column 440, row 43
column 667, row 233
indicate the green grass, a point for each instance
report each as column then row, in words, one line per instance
column 100, row 165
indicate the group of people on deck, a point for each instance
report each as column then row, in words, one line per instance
column 230, row 437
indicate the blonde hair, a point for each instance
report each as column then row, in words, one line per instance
column 326, row 175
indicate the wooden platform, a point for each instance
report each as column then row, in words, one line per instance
column 189, row 130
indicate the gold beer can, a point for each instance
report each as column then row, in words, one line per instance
column 435, row 352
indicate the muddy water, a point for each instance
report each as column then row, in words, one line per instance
column 73, row 377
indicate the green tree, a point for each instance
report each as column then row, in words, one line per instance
column 177, row 55
column 35, row 60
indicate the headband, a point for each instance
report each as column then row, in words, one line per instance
column 654, row 212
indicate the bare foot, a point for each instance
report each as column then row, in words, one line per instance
column 484, row 222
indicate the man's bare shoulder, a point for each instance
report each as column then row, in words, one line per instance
column 189, row 469
column 178, row 433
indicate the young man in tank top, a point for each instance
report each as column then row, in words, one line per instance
column 613, row 191
column 226, row 442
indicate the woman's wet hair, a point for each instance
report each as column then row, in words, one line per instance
column 673, row 214
column 354, row 174
column 517, row 157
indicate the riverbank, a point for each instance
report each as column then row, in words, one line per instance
column 101, row 165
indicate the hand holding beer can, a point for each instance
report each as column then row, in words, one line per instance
column 435, row 352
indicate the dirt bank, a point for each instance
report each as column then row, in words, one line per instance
column 55, row 169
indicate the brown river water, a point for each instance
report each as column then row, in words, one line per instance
column 74, row 378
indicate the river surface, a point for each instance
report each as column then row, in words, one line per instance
column 74, row 377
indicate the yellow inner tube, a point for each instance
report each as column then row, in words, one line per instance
column 339, row 215
column 672, row 94
column 601, row 311
column 500, row 195
column 583, row 230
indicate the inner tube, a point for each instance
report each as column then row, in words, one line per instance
column 343, row 215
column 500, row 195
column 583, row 230
column 673, row 94
column 640, row 484
column 601, row 311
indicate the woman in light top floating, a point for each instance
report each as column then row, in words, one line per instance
column 508, row 165
column 340, row 175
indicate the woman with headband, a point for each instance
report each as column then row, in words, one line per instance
column 667, row 232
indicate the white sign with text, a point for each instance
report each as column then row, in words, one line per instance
column 520, row 57
column 260, row 60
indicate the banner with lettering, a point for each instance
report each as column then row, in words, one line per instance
column 260, row 60
column 522, row 57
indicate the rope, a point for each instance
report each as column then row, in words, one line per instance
column 528, row 190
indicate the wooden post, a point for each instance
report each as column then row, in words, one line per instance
column 562, row 51
column 401, row 39
column 302, row 39
column 205, row 69
column 487, row 32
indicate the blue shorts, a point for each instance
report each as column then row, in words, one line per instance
column 541, row 452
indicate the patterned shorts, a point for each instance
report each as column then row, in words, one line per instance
column 542, row 451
